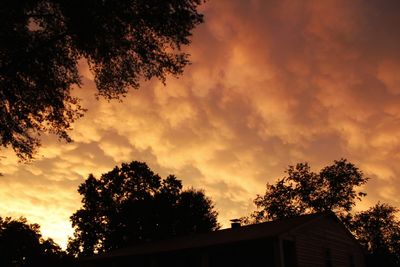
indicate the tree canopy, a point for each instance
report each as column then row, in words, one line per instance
column 21, row 244
column 123, row 41
column 131, row 205
column 303, row 191
column 334, row 189
column 378, row 231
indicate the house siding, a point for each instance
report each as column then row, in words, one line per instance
column 326, row 243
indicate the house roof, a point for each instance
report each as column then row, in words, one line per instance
column 224, row 236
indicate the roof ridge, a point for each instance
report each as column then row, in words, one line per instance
column 243, row 233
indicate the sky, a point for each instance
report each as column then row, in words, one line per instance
column 271, row 84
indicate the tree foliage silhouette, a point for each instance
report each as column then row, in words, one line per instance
column 131, row 205
column 21, row 244
column 123, row 42
column 303, row 191
column 333, row 189
column 378, row 230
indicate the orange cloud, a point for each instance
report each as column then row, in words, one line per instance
column 272, row 83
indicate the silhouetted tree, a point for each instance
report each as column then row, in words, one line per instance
column 21, row 244
column 131, row 205
column 333, row 189
column 379, row 232
column 123, row 41
column 303, row 191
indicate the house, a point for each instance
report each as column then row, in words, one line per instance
column 309, row 240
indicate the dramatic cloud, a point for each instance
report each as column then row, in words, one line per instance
column 272, row 83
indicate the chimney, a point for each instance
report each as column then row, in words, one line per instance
column 235, row 223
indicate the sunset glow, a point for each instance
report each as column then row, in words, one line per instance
column 271, row 83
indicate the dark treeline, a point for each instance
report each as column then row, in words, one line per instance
column 129, row 205
column 21, row 244
column 132, row 205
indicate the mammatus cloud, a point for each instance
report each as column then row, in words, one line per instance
column 272, row 83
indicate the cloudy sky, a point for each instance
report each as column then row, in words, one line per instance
column 272, row 83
